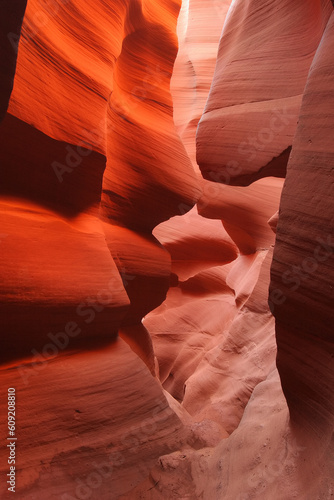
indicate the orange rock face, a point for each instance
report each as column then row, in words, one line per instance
column 166, row 315
column 85, row 272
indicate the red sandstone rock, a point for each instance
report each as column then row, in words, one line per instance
column 82, row 430
column 302, row 271
column 199, row 29
column 192, row 392
column 54, row 255
column 251, row 114
column 78, row 279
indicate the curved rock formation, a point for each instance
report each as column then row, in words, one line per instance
column 250, row 118
column 301, row 465
column 84, row 129
column 302, row 271
column 299, row 276
column 137, row 329
column 199, row 29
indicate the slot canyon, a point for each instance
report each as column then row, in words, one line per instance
column 167, row 249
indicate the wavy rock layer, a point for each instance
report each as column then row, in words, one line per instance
column 250, row 118
column 299, row 275
column 54, row 254
column 202, row 338
column 199, row 29
column 201, row 332
column 302, row 272
column 85, row 271
column 200, row 357
column 82, row 429
column 72, row 104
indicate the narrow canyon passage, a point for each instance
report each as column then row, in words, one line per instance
column 166, row 249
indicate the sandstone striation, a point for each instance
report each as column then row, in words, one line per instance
column 250, row 118
column 302, row 271
column 72, row 299
column 166, row 315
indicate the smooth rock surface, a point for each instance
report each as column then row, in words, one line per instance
column 302, row 272
column 251, row 115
